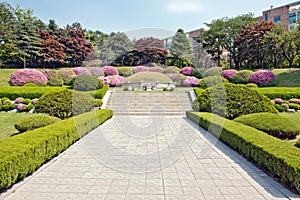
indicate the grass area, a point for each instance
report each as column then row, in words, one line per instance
column 4, row 76
column 8, row 120
column 287, row 77
column 149, row 77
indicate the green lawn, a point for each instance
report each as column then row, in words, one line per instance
column 4, row 76
column 287, row 77
column 7, row 121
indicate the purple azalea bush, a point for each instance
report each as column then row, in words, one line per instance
column 110, row 71
column 191, row 81
column 23, row 76
column 229, row 74
column 278, row 101
column 156, row 69
column 21, row 107
column 139, row 69
column 81, row 70
column 33, row 101
column 97, row 71
column 297, row 101
column 188, row 71
column 19, row 100
column 115, row 80
column 67, row 75
column 104, row 80
column 263, row 78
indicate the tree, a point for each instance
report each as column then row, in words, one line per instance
column 180, row 47
column 147, row 42
column 53, row 28
column 251, row 46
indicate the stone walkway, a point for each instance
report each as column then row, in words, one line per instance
column 148, row 158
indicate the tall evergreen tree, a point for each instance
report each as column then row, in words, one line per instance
column 180, row 46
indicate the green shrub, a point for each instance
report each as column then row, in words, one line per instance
column 27, row 101
column 242, row 77
column 64, row 104
column 297, row 144
column 5, row 108
column 8, row 105
column 294, row 106
column 214, row 71
column 125, row 71
column 172, row 70
column 34, row 122
column 99, row 94
column 280, row 107
column 251, row 85
column 13, row 92
column 280, row 92
column 54, row 78
column 273, row 124
column 98, row 102
column 211, row 81
column 85, row 82
column 29, row 107
column 22, row 154
column 278, row 157
column 232, row 100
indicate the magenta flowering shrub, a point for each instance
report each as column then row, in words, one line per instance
column 97, row 71
column 214, row 71
column 19, row 100
column 33, row 101
column 278, row 101
column 104, row 80
column 188, row 71
column 115, row 80
column 286, row 105
column 139, row 69
column 21, row 107
column 23, row 76
column 297, row 101
column 263, row 78
column 110, row 71
column 81, row 70
column 156, row 69
column 229, row 74
column 67, row 75
column 191, row 81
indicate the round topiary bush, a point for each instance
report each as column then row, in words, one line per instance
column 140, row 69
column 34, row 122
column 84, row 82
column 98, row 102
column 177, row 78
column 23, row 76
column 272, row 124
column 96, row 71
column 67, row 75
column 110, row 71
column 232, row 101
column 172, row 70
column 229, row 74
column 81, row 70
column 191, row 81
column 125, row 71
column 294, row 106
column 213, row 71
column 187, row 71
column 263, row 78
column 211, row 81
column 242, row 77
column 54, row 78
column 64, row 104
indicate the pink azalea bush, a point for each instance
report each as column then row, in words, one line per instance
column 177, row 78
column 263, row 78
column 191, row 81
column 229, row 74
column 156, row 69
column 97, row 71
column 23, row 76
column 188, row 71
column 33, row 101
column 115, row 80
column 297, row 101
column 104, row 80
column 19, row 100
column 67, row 75
column 81, row 70
column 21, row 107
column 278, row 101
column 110, row 71
column 139, row 69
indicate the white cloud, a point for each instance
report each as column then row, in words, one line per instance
column 183, row 6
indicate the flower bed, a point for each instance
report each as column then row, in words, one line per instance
column 23, row 76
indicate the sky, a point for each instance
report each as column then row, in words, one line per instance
column 158, row 16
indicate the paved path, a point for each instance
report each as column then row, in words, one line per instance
column 148, row 158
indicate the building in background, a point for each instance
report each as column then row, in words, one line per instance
column 288, row 15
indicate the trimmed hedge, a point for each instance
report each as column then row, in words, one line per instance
column 273, row 124
column 212, row 81
column 34, row 122
column 13, row 92
column 278, row 157
column 85, row 82
column 99, row 94
column 280, row 92
column 22, row 154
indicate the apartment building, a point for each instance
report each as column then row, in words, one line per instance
column 288, row 15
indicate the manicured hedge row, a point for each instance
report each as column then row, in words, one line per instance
column 277, row 156
column 22, row 154
column 280, row 92
column 13, row 92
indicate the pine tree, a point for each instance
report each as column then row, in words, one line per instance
column 180, row 46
